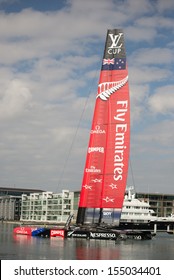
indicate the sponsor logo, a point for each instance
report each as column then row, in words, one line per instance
column 102, row 235
column 79, row 235
column 116, row 46
column 92, row 169
column 57, row 232
column 107, row 199
column 120, row 139
column 97, row 180
column 105, row 90
column 87, row 187
column 70, row 233
column 76, row 234
column 113, row 186
column 95, row 149
column 22, row 231
column 97, row 130
column 107, row 214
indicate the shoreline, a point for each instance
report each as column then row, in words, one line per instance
column 31, row 223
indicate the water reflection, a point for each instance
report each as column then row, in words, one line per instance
column 96, row 250
column 22, row 239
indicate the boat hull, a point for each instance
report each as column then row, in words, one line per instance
column 109, row 235
column 32, row 231
column 24, row 230
column 102, row 234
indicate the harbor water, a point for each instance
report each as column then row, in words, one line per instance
column 21, row 247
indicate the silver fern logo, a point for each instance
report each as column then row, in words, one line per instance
column 106, row 89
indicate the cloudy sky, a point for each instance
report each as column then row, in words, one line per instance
column 50, row 59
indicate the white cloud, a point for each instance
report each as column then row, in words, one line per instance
column 49, row 65
column 152, row 56
column 165, row 5
column 135, row 7
column 138, row 94
column 140, row 34
column 144, row 74
column 162, row 101
column 156, row 22
column 15, row 100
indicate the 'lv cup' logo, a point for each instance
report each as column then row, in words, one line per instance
column 115, row 47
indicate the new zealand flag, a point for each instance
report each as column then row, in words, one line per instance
column 116, row 64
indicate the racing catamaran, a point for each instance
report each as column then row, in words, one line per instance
column 107, row 159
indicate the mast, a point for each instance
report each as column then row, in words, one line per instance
column 106, row 167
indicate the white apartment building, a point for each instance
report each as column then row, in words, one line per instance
column 47, row 207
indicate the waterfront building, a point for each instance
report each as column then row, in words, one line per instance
column 10, row 202
column 10, row 207
column 17, row 203
column 16, row 191
column 47, row 207
column 162, row 204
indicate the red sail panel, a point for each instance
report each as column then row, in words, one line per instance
column 117, row 145
column 106, row 167
column 94, row 169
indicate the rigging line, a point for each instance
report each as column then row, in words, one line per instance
column 130, row 163
column 75, row 134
